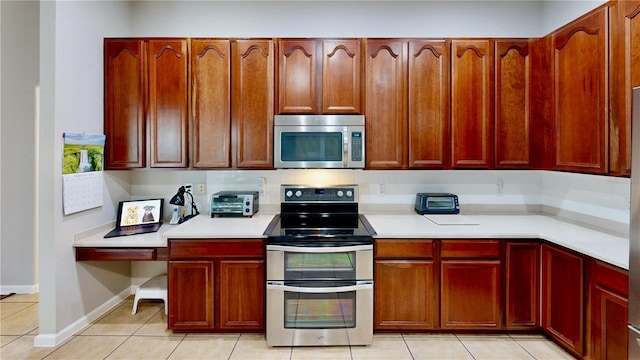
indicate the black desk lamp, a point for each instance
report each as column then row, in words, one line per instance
column 178, row 201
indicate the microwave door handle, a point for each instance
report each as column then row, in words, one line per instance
column 360, row 285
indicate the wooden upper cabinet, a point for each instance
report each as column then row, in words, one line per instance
column 512, row 77
column 297, row 76
column 124, row 111
column 168, row 103
column 428, row 110
column 580, row 52
column 252, row 102
column 386, row 119
column 624, row 76
column 472, row 103
column 211, row 103
column 341, row 67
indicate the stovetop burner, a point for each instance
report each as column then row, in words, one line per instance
column 319, row 217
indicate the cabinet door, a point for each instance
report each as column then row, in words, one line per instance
column 513, row 71
column 341, row 67
column 562, row 297
column 624, row 76
column 409, row 304
column 386, row 119
column 429, row 139
column 472, row 103
column 580, row 88
column 252, row 103
column 242, row 294
column 190, row 295
column 168, row 103
column 609, row 312
column 297, row 76
column 470, row 294
column 522, row 285
column 211, row 101
column 124, row 111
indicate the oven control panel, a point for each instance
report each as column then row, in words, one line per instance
column 301, row 193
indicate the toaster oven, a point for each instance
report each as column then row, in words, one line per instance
column 234, row 203
column 437, row 203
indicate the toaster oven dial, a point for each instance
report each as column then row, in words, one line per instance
column 340, row 193
column 289, row 193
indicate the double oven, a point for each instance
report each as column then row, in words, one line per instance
column 319, row 269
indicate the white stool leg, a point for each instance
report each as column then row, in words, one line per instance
column 135, row 303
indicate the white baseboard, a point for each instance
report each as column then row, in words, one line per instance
column 19, row 289
column 51, row 340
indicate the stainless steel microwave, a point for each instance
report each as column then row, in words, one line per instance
column 319, row 142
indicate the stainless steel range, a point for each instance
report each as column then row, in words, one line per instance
column 319, row 269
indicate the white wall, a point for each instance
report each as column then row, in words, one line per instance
column 558, row 13
column 71, row 76
column 338, row 18
column 71, row 34
column 19, row 70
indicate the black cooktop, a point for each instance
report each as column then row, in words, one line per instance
column 311, row 216
column 312, row 230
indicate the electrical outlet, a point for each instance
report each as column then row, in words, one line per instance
column 188, row 188
column 202, row 188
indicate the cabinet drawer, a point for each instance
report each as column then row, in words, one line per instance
column 611, row 278
column 120, row 254
column 471, row 249
column 208, row 248
column 403, row 249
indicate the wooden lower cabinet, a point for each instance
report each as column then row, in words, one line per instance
column 216, row 285
column 406, row 294
column 470, row 284
column 470, row 294
column 190, row 295
column 563, row 297
column 242, row 292
column 522, row 282
column 406, row 304
column 609, row 311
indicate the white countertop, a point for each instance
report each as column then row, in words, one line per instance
column 204, row 226
column 599, row 245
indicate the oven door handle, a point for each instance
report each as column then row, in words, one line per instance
column 319, row 250
column 360, row 285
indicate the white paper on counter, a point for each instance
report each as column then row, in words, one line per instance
column 451, row 219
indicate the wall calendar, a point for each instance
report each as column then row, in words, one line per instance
column 82, row 172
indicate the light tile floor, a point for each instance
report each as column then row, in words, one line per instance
column 121, row 335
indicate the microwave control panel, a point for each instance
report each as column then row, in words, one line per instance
column 356, row 146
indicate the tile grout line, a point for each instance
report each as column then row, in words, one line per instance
column 234, row 346
column 522, row 347
column 404, row 340
column 465, row 347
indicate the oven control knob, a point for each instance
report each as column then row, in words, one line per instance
column 349, row 193
column 340, row 193
column 289, row 193
column 298, row 193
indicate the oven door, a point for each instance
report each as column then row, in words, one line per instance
column 319, row 313
column 291, row 263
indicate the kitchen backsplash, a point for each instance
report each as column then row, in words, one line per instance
column 576, row 196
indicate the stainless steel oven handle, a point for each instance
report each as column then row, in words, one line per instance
column 319, row 250
column 360, row 285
